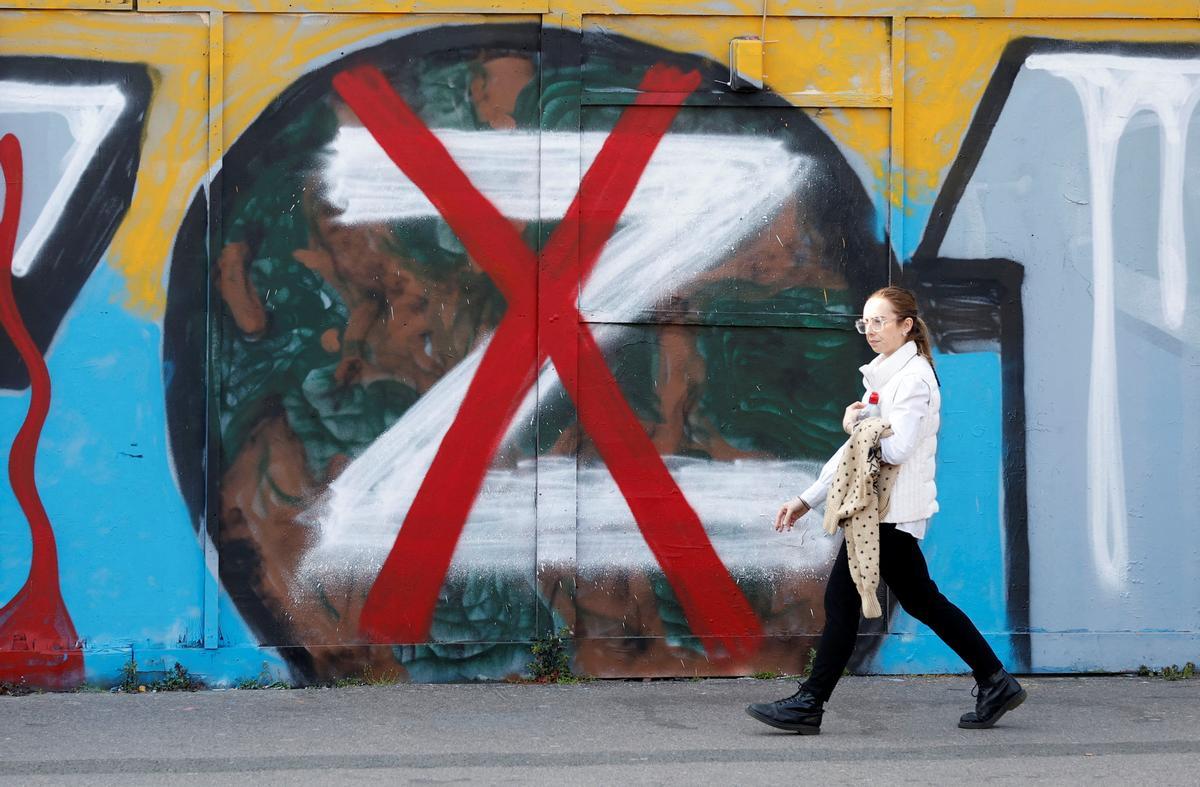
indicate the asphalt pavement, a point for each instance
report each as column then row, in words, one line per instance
column 1071, row 730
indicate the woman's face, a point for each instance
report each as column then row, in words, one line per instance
column 885, row 333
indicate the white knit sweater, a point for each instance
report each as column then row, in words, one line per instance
column 910, row 401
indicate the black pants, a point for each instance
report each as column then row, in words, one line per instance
column 902, row 567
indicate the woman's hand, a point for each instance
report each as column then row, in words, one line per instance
column 789, row 513
column 851, row 416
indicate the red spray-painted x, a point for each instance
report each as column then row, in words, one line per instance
column 400, row 605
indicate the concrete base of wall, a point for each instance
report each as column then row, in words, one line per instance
column 907, row 654
column 1049, row 652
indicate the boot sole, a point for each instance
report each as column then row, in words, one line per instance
column 802, row 729
column 983, row 725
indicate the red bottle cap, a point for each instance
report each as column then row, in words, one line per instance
column 874, row 398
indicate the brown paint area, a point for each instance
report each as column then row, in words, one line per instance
column 495, row 90
column 392, row 332
column 788, row 253
column 620, row 630
column 233, row 282
column 261, row 495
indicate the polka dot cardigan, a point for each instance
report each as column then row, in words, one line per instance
column 858, row 501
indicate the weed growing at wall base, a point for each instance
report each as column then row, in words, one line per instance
column 129, row 677
column 16, row 688
column 1173, row 672
column 767, row 675
column 551, row 661
column 177, row 678
column 368, row 677
column 265, row 680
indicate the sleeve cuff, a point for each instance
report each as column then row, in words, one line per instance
column 812, row 497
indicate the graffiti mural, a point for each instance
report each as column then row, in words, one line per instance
column 412, row 338
column 380, row 375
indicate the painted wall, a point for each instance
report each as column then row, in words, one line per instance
column 356, row 343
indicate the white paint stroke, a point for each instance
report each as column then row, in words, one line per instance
column 91, row 113
column 1111, row 90
column 694, row 204
column 583, row 522
column 362, row 181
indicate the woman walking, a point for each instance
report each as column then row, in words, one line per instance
column 910, row 401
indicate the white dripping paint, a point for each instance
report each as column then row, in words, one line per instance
column 91, row 112
column 699, row 196
column 1112, row 89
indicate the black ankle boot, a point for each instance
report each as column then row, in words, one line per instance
column 1000, row 694
column 800, row 713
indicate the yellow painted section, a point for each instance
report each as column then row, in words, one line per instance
column 358, row 6
column 1117, row 9
column 924, row 8
column 799, row 55
column 174, row 154
column 216, row 93
column 81, row 5
column 264, row 53
column 919, row 8
column 895, row 217
column 793, row 46
column 949, row 63
column 860, row 133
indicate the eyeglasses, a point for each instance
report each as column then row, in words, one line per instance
column 875, row 322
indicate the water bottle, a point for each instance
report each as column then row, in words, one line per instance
column 872, row 408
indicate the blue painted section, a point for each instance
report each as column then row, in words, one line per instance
column 218, row 668
column 131, row 565
column 916, row 219
column 965, row 543
column 881, row 217
column 14, row 531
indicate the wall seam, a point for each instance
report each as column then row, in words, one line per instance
column 216, row 152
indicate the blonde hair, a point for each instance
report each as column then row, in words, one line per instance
column 905, row 304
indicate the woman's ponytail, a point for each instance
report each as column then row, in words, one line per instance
column 905, row 304
column 920, row 335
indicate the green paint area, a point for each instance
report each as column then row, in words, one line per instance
column 268, row 214
column 480, row 630
column 782, row 390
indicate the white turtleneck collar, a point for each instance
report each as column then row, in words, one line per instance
column 881, row 369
